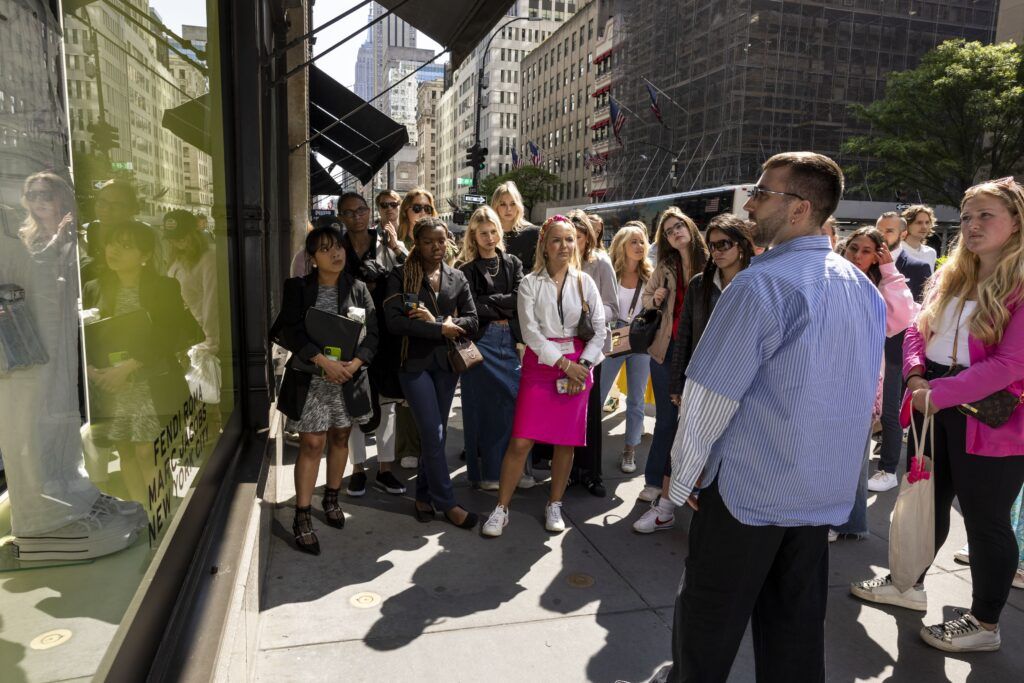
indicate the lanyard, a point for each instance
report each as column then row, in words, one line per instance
column 561, row 313
column 956, row 334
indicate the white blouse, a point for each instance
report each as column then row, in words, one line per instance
column 539, row 320
column 940, row 345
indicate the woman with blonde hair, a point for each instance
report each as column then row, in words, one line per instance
column 489, row 390
column 520, row 237
column 632, row 271
column 965, row 353
column 681, row 254
column 551, row 406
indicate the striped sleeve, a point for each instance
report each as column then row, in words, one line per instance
column 703, row 417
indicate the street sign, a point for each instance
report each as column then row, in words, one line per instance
column 474, row 199
column 463, row 182
column 121, row 165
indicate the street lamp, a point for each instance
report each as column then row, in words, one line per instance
column 479, row 154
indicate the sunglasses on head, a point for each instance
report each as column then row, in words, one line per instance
column 388, row 205
column 722, row 245
column 422, row 208
column 39, row 195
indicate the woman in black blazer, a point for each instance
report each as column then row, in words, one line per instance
column 328, row 399
column 489, row 390
column 428, row 303
column 131, row 354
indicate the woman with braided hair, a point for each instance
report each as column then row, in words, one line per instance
column 429, row 304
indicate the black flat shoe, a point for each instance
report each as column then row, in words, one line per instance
column 596, row 487
column 472, row 519
column 423, row 516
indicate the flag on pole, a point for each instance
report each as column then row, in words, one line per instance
column 535, row 155
column 655, row 109
column 618, row 118
column 517, row 162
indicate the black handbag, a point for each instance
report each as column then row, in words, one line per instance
column 585, row 327
column 644, row 328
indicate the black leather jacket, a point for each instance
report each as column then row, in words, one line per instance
column 692, row 322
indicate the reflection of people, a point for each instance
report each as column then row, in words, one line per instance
column 326, row 405
column 193, row 263
column 115, row 202
column 137, row 390
column 52, row 500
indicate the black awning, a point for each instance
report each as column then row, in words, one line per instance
column 361, row 143
column 456, row 24
column 320, row 180
column 189, row 122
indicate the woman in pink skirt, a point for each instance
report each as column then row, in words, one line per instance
column 552, row 403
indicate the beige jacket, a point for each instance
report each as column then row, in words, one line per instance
column 663, row 276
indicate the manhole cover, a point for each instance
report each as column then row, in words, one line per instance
column 581, row 580
column 364, row 600
column 44, row 641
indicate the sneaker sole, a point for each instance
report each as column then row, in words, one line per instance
column 392, row 491
column 927, row 637
column 553, row 531
column 526, row 486
column 664, row 527
column 883, row 489
column 64, row 549
column 492, row 534
column 355, row 494
column 896, row 601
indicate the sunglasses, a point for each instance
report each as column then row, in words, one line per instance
column 39, row 196
column 422, row 208
column 387, row 205
column 759, row 192
column 722, row 245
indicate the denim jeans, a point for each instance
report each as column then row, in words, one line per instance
column 858, row 521
column 892, row 432
column 666, row 415
column 430, row 393
column 489, row 403
column 638, row 369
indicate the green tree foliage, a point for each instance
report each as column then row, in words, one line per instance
column 534, row 184
column 955, row 120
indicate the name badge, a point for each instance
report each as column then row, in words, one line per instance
column 566, row 347
column 332, row 352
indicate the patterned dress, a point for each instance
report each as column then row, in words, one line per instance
column 135, row 418
column 325, row 404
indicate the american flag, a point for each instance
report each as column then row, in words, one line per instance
column 618, row 118
column 655, row 109
column 535, row 156
column 517, row 162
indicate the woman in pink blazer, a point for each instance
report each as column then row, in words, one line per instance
column 967, row 344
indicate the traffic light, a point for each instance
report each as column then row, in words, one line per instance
column 476, row 157
column 104, row 136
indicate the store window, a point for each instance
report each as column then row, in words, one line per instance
column 115, row 345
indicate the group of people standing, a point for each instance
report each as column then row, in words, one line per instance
column 769, row 371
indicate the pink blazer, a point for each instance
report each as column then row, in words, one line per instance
column 993, row 368
column 900, row 307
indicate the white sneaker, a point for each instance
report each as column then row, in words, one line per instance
column 553, row 517
column 649, row 494
column 488, row 485
column 964, row 634
column 99, row 533
column 883, row 591
column 409, row 462
column 963, row 556
column 833, row 535
column 1018, row 579
column 882, row 481
column 628, row 462
column 526, row 482
column 655, row 519
column 496, row 523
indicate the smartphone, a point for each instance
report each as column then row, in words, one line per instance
column 411, row 302
column 562, row 385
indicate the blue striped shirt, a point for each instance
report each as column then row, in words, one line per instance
column 784, row 381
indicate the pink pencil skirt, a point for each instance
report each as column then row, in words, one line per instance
column 543, row 414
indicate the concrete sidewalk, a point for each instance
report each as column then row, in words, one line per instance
column 391, row 599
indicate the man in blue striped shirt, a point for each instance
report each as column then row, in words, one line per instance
column 773, row 428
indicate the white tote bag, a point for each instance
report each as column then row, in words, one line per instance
column 912, row 532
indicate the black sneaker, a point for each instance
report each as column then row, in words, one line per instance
column 595, row 486
column 386, row 481
column 356, row 484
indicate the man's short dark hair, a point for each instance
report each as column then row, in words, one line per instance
column 813, row 176
column 351, row 195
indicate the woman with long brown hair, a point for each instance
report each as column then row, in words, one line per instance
column 681, row 254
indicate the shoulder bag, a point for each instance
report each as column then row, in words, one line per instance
column 616, row 342
column 585, row 327
column 644, row 328
column 463, row 354
column 994, row 410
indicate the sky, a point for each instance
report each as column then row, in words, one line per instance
column 340, row 63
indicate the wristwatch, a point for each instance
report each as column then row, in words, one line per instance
column 586, row 363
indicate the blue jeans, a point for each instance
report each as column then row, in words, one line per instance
column 638, row 369
column 489, row 403
column 666, row 414
column 858, row 521
column 430, row 393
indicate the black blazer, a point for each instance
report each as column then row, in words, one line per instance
column 917, row 273
column 289, row 331
column 692, row 321
column 491, row 304
column 426, row 346
column 172, row 331
column 523, row 245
